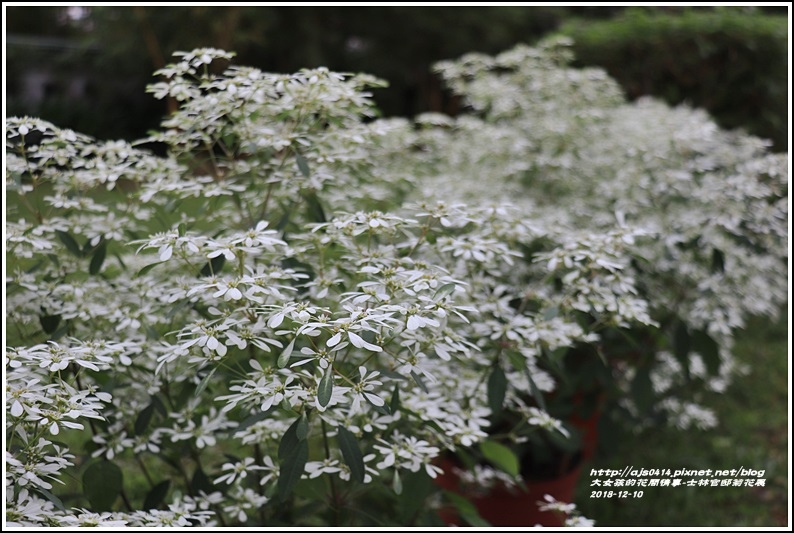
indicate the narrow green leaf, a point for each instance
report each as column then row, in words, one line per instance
column 49, row 323
column 717, row 261
column 251, row 420
column 497, row 388
column 326, row 387
column 99, row 258
column 102, row 483
column 314, row 208
column 533, row 388
column 466, row 510
column 122, row 264
column 384, row 409
column 213, row 266
column 520, row 363
column 419, row 381
column 69, row 242
column 417, row 486
column 394, row 403
column 181, row 229
column 500, row 456
column 60, row 332
column 179, row 306
column 200, row 482
column 302, row 429
column 146, row 269
column 56, row 501
column 396, row 483
column 204, row 382
column 87, row 248
column 351, row 454
column 303, row 165
column 283, row 359
column 444, row 290
column 158, row 405
column 143, row 419
column 292, row 467
column 289, row 440
column 157, row 495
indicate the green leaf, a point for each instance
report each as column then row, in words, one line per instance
column 351, row 454
column 394, row 403
column 69, row 242
column 179, row 306
column 181, row 229
column 99, row 258
column 520, row 363
column 204, row 382
column 60, row 332
column 200, row 482
column 303, row 165
column 382, row 409
column 416, row 488
column 497, row 388
column 419, row 381
column 283, row 359
column 122, row 264
column 466, row 510
column 396, row 483
column 251, row 420
column 158, row 405
column 289, row 440
column 292, row 467
column 213, row 266
column 143, row 419
column 146, row 269
column 326, row 387
column 102, row 483
column 500, row 456
column 302, row 429
column 56, row 501
column 315, row 210
column 157, row 495
column 717, row 261
column 49, row 323
column 444, row 290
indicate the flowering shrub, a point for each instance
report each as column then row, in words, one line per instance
column 288, row 318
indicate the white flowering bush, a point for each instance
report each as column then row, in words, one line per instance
column 289, row 316
column 564, row 147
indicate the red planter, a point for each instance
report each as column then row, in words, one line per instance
column 505, row 508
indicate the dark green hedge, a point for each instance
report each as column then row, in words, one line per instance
column 731, row 61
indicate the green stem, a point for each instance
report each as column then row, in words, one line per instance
column 334, row 495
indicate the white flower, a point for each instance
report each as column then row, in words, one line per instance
column 237, row 471
column 544, row 420
column 551, row 504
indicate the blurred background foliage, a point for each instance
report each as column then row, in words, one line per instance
column 86, row 67
column 732, row 62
